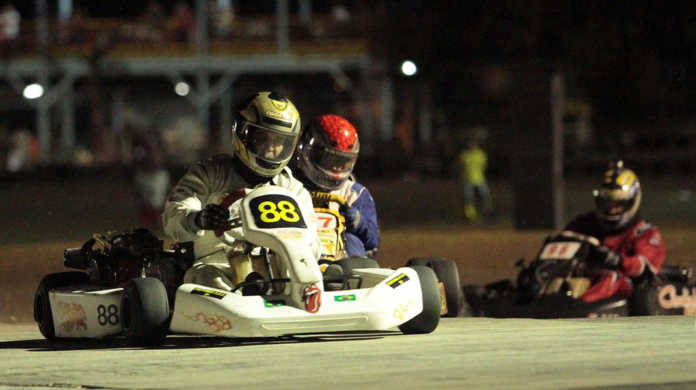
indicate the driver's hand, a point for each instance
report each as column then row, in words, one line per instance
column 213, row 217
column 607, row 258
column 352, row 216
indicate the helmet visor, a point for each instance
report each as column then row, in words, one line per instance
column 612, row 202
column 268, row 144
column 331, row 160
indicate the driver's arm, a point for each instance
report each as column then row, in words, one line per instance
column 648, row 252
column 185, row 200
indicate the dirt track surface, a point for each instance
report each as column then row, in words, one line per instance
column 476, row 353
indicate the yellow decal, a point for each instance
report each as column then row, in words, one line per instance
column 398, row 281
column 216, row 322
column 270, row 212
column 208, row 293
column 401, row 309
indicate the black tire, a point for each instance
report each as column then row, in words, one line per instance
column 424, row 261
column 42, row 306
column 429, row 318
column 145, row 312
column 645, row 301
column 447, row 272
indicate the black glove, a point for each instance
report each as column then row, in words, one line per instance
column 607, row 258
column 213, row 217
column 352, row 216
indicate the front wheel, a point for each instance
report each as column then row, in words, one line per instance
column 145, row 311
column 42, row 305
column 447, row 273
column 429, row 318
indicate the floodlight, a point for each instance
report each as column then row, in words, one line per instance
column 182, row 88
column 33, row 91
column 409, row 68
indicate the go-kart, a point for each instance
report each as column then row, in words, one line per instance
column 331, row 227
column 551, row 286
column 133, row 287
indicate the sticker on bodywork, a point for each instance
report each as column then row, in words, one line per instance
column 669, row 297
column 397, row 281
column 71, row 316
column 273, row 303
column 344, row 298
column 208, row 293
column 276, row 211
column 216, row 322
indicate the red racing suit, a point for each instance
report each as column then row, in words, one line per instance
column 640, row 246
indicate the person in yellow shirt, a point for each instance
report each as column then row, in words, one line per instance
column 472, row 161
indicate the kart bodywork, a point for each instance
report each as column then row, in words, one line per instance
column 133, row 287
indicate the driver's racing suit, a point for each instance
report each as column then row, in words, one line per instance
column 641, row 249
column 364, row 240
column 217, row 180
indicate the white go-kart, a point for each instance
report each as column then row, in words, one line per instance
column 133, row 287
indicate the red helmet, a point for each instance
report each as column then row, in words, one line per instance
column 327, row 151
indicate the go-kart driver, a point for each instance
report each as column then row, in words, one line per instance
column 630, row 245
column 324, row 161
column 264, row 135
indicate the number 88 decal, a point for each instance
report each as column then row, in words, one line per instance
column 276, row 211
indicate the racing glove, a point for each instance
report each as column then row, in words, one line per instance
column 213, row 217
column 607, row 258
column 352, row 216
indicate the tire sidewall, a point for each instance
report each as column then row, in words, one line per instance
column 43, row 314
column 428, row 319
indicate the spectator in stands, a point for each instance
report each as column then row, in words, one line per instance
column 152, row 23
column 182, row 23
column 151, row 179
column 10, row 21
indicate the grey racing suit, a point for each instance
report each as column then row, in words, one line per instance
column 214, row 181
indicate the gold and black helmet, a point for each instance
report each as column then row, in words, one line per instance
column 265, row 133
column 617, row 199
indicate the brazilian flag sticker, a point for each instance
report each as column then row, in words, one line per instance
column 274, row 303
column 344, row 298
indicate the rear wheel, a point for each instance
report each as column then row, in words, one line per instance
column 447, row 273
column 145, row 311
column 42, row 306
column 429, row 318
column 646, row 300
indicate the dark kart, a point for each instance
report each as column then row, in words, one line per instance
column 119, row 274
column 551, row 285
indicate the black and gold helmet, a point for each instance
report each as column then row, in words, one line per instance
column 265, row 133
column 617, row 200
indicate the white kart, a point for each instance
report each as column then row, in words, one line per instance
column 132, row 287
